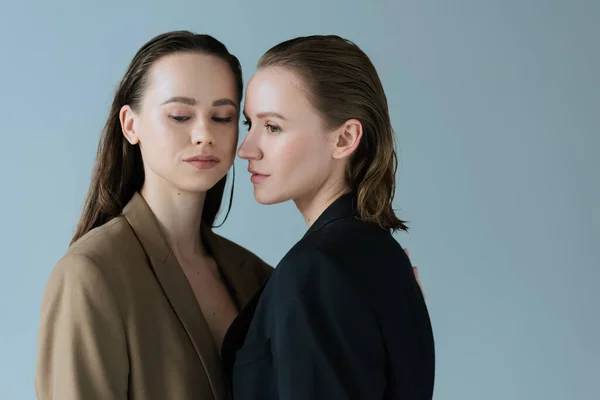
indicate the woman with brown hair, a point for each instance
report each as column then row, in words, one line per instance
column 138, row 306
column 342, row 316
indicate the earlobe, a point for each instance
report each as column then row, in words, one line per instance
column 127, row 118
column 349, row 137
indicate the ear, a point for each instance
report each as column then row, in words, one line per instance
column 127, row 118
column 348, row 138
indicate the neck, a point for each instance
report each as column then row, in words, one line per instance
column 313, row 205
column 179, row 215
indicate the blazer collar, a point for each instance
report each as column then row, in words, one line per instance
column 343, row 207
column 235, row 265
column 176, row 285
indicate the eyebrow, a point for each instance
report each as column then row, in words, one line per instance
column 192, row 102
column 180, row 99
column 265, row 114
column 224, row 102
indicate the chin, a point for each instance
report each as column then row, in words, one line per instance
column 201, row 180
column 265, row 198
column 199, row 185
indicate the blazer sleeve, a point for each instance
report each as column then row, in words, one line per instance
column 326, row 342
column 82, row 352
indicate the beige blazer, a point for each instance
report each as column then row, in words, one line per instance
column 119, row 319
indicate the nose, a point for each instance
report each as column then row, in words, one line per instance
column 250, row 148
column 202, row 134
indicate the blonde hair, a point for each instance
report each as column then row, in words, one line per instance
column 343, row 84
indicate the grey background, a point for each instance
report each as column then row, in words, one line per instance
column 495, row 105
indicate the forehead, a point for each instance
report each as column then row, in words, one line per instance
column 191, row 74
column 276, row 89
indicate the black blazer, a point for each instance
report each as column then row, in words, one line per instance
column 341, row 317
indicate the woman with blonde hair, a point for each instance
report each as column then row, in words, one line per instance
column 342, row 315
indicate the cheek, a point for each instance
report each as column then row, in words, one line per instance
column 160, row 143
column 283, row 152
column 300, row 154
column 230, row 142
column 156, row 132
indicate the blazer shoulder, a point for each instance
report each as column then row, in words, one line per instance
column 74, row 267
column 349, row 231
column 111, row 250
column 304, row 265
column 350, row 240
column 103, row 244
column 312, row 276
column 77, row 274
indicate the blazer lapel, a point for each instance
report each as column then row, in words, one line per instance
column 176, row 287
column 238, row 271
column 236, row 334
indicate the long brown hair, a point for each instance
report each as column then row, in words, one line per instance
column 343, row 84
column 118, row 171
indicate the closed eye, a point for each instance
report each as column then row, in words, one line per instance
column 222, row 120
column 179, row 118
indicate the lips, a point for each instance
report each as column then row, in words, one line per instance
column 257, row 177
column 202, row 161
column 202, row 157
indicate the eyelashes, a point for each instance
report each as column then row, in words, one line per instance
column 183, row 118
column 179, row 118
column 225, row 120
column 270, row 127
column 273, row 128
